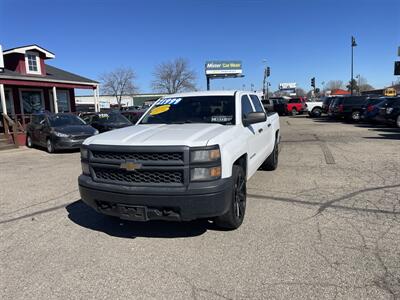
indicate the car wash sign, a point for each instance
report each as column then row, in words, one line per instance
column 224, row 68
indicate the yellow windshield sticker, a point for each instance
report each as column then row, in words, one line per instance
column 159, row 110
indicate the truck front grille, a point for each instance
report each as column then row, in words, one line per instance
column 139, row 176
column 139, row 156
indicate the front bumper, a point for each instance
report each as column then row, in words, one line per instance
column 67, row 143
column 199, row 200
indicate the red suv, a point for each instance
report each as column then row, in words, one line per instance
column 296, row 106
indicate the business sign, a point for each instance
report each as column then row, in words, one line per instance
column 224, row 68
column 287, row 86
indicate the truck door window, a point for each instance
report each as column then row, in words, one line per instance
column 256, row 103
column 246, row 106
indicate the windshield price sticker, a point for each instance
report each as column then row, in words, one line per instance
column 221, row 118
column 172, row 101
column 103, row 115
column 159, row 110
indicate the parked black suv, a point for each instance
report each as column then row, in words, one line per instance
column 391, row 113
column 107, row 121
column 348, row 107
column 326, row 102
column 58, row 131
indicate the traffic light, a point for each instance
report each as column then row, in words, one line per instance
column 313, row 82
column 268, row 71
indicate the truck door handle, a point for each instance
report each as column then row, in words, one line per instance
column 260, row 130
column 269, row 125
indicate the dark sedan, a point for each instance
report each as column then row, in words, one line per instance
column 58, row 131
column 107, row 121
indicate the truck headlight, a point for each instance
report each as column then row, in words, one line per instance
column 204, row 174
column 84, row 153
column 210, row 155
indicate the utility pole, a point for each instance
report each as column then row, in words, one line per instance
column 353, row 44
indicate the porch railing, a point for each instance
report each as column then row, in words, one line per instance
column 14, row 125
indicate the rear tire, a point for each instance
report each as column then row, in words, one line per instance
column 294, row 111
column 316, row 112
column 271, row 163
column 233, row 218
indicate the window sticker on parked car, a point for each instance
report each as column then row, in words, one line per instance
column 159, row 109
column 172, row 101
column 219, row 119
column 103, row 115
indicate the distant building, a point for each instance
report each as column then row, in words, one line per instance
column 381, row 92
column 86, row 102
column 339, row 92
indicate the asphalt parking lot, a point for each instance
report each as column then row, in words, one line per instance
column 324, row 225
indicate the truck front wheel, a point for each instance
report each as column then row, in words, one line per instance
column 233, row 218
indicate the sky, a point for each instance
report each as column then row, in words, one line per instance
column 297, row 39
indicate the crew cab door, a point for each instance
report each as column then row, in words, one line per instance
column 266, row 136
column 255, row 133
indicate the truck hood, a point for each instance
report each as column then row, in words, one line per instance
column 192, row 135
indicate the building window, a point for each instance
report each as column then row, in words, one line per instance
column 32, row 63
column 32, row 102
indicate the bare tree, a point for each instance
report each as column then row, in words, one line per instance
column 334, row 85
column 363, row 84
column 173, row 77
column 118, row 83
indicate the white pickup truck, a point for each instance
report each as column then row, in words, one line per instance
column 314, row 108
column 188, row 157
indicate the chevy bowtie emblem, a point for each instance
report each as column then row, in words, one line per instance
column 130, row 166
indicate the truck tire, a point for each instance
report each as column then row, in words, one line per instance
column 316, row 112
column 271, row 163
column 233, row 218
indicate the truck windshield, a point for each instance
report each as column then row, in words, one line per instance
column 197, row 109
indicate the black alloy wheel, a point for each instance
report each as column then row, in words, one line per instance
column 233, row 218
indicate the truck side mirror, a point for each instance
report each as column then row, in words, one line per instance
column 254, row 117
